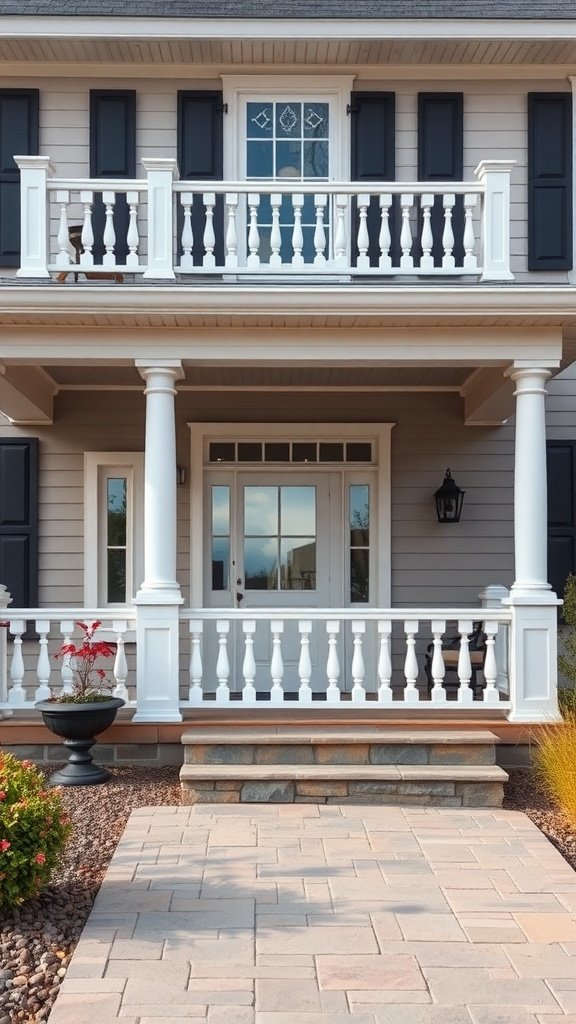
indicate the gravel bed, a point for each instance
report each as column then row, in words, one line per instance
column 37, row 941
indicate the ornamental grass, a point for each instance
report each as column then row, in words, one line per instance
column 554, row 758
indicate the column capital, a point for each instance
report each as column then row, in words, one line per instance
column 529, row 379
column 169, row 366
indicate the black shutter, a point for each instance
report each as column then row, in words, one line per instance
column 19, row 520
column 373, row 159
column 549, row 181
column 441, row 158
column 200, row 158
column 561, row 466
column 18, row 135
column 112, row 155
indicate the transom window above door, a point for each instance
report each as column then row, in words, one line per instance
column 287, row 139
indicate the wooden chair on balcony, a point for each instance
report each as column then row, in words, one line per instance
column 451, row 654
column 75, row 237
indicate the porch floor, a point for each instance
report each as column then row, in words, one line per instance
column 286, row 914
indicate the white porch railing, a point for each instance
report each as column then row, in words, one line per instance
column 170, row 228
column 29, row 670
column 359, row 658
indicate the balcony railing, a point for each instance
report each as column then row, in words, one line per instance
column 161, row 228
column 334, row 657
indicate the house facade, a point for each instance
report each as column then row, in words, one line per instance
column 266, row 277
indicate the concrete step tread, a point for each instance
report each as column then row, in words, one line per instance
column 344, row 772
column 235, row 736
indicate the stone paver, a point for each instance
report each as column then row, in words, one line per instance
column 306, row 914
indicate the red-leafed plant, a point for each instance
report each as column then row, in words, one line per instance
column 89, row 683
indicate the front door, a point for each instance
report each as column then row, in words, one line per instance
column 284, row 542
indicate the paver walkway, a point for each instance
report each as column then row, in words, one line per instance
column 299, row 914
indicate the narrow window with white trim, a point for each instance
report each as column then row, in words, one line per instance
column 113, row 527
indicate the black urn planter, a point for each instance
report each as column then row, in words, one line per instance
column 79, row 724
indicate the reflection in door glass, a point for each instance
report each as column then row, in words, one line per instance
column 280, row 538
column 116, row 500
column 221, row 538
column 359, row 523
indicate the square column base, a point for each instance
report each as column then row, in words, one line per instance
column 157, row 668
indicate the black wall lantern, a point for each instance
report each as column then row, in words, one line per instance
column 449, row 499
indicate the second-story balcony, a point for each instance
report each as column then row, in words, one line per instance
column 159, row 227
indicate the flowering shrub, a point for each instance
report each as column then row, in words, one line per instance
column 33, row 830
column 89, row 683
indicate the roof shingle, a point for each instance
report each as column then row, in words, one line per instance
column 322, row 9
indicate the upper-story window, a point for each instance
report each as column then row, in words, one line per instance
column 288, row 139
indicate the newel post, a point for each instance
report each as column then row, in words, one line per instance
column 494, row 176
column 161, row 173
column 34, row 174
column 5, row 600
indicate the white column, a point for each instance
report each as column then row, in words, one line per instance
column 157, row 601
column 161, row 172
column 572, row 273
column 530, row 496
column 533, row 631
column 34, row 174
column 494, row 176
column 160, row 478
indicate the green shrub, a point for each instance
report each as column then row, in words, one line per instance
column 33, row 830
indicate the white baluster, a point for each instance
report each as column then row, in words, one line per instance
column 363, row 240
column 358, row 667
column 406, row 259
column 253, row 260
column 132, row 237
column 340, row 237
column 43, row 691
column 275, row 233
column 385, row 239
column 277, row 664
column 470, row 261
column 109, row 237
column 87, row 256
column 491, row 695
column 231, row 230
column 333, row 665
column 3, row 650
column 465, row 694
column 448, row 261
column 385, row 695
column 297, row 236
column 223, row 663
column 120, row 670
column 304, row 664
column 66, row 673
column 63, row 257
column 249, row 664
column 195, row 694
column 17, row 694
column 209, row 259
column 427, row 239
column 438, row 669
column 320, row 201
column 411, row 695
column 187, row 239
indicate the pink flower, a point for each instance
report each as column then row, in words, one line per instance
column 2, row 795
column 4, row 845
column 40, row 858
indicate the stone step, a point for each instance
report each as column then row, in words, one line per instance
column 265, row 745
column 425, row 785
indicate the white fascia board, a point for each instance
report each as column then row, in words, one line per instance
column 12, row 27
column 555, row 305
column 245, row 347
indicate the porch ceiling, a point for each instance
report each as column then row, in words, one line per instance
column 230, row 377
column 196, row 55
